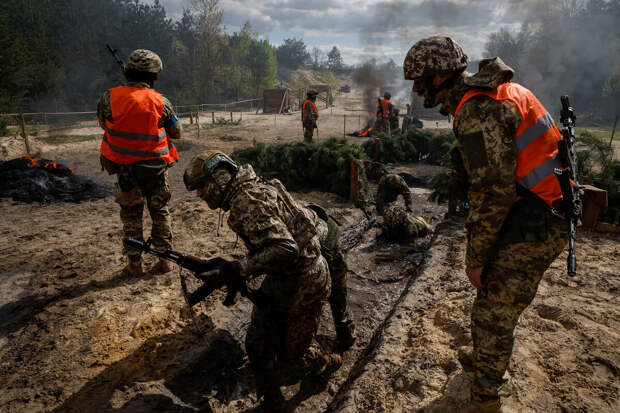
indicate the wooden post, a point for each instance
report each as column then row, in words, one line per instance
column 240, row 116
column 212, row 117
column 231, row 119
column 254, row 141
column 25, row 136
column 354, row 183
column 45, row 117
column 344, row 127
column 275, row 120
column 198, row 124
column 613, row 131
column 191, row 118
column 359, row 121
column 375, row 149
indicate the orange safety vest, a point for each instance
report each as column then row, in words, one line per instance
column 307, row 113
column 134, row 135
column 383, row 108
column 536, row 140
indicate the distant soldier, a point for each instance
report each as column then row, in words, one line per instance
column 399, row 224
column 284, row 242
column 508, row 143
column 309, row 115
column 138, row 123
column 384, row 112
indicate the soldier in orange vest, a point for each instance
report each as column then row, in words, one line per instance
column 384, row 113
column 309, row 115
column 508, row 143
column 138, row 124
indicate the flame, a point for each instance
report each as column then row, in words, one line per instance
column 32, row 162
column 364, row 132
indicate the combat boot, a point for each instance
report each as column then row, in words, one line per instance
column 162, row 267
column 332, row 363
column 134, row 266
column 345, row 335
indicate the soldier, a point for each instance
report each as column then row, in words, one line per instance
column 399, row 224
column 508, row 143
column 390, row 186
column 138, row 123
column 384, row 113
column 309, row 115
column 283, row 242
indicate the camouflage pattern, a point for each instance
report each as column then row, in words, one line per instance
column 394, row 126
column 402, row 226
column 514, row 242
column 434, row 55
column 104, row 112
column 283, row 242
column 511, row 281
column 153, row 187
column 390, row 186
column 143, row 60
column 308, row 132
column 309, row 123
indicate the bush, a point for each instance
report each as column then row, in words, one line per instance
column 323, row 166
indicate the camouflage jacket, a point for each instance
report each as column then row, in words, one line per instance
column 485, row 129
column 281, row 235
column 390, row 186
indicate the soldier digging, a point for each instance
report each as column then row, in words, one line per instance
column 508, row 143
column 138, row 124
column 285, row 242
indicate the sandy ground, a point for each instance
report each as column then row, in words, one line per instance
column 77, row 335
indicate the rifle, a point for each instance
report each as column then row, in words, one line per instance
column 571, row 199
column 115, row 56
column 205, row 270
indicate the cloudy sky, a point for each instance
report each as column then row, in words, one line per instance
column 368, row 28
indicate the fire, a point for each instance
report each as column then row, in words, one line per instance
column 363, row 132
column 47, row 164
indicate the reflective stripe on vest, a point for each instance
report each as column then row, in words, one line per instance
column 383, row 108
column 134, row 135
column 308, row 112
column 536, row 140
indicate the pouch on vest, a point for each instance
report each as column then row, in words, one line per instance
column 527, row 221
column 107, row 165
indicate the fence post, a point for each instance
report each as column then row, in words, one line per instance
column 613, row 131
column 240, row 116
column 354, row 183
column 359, row 121
column 231, row 119
column 191, row 118
column 198, row 124
column 344, row 127
column 212, row 117
column 26, row 140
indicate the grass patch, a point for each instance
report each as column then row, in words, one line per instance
column 602, row 133
column 62, row 139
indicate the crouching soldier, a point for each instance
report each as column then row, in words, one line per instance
column 283, row 242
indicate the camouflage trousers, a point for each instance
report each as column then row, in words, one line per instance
column 511, row 280
column 283, row 331
column 337, row 263
column 381, row 125
column 308, row 132
column 156, row 192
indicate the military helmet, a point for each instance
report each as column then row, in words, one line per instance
column 143, row 60
column 387, row 95
column 434, row 55
column 312, row 93
column 203, row 165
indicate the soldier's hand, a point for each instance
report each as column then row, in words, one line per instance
column 474, row 275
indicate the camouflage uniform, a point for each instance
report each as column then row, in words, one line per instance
column 514, row 241
column 283, row 243
column 402, row 226
column 309, row 123
column 151, row 183
column 390, row 186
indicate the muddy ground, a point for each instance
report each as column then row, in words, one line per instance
column 77, row 335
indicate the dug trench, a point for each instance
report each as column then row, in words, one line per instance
column 77, row 335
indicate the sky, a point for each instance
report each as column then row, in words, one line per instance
column 363, row 29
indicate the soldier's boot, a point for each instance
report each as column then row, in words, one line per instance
column 163, row 266
column 332, row 363
column 134, row 266
column 273, row 401
column 345, row 333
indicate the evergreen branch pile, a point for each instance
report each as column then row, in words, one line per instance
column 323, row 166
column 414, row 146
